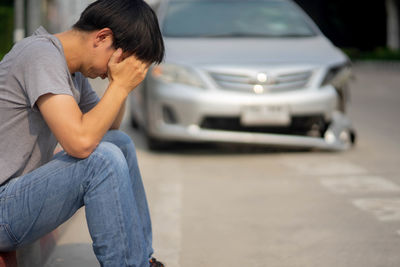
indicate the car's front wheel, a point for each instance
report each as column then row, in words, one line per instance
column 134, row 123
column 156, row 144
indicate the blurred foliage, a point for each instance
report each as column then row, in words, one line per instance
column 380, row 53
column 6, row 2
column 359, row 23
column 6, row 27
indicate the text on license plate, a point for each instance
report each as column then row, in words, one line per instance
column 258, row 115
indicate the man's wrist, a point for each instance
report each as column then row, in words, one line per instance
column 119, row 89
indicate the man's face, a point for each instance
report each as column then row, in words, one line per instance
column 98, row 54
column 98, row 66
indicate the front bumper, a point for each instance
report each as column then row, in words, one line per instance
column 190, row 106
column 339, row 136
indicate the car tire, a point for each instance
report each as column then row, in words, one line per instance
column 134, row 123
column 353, row 137
column 155, row 144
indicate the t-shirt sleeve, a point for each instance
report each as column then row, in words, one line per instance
column 89, row 97
column 43, row 70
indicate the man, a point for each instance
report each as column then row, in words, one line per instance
column 45, row 98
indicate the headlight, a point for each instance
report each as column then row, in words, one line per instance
column 338, row 75
column 171, row 73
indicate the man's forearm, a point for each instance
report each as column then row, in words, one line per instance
column 119, row 118
column 106, row 115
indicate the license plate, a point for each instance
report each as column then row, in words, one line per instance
column 259, row 115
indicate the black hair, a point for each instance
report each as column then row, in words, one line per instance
column 133, row 23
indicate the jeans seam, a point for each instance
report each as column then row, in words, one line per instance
column 10, row 234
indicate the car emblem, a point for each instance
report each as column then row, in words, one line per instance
column 262, row 77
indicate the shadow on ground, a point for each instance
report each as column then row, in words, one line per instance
column 73, row 255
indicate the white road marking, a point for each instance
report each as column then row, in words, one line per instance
column 320, row 168
column 385, row 209
column 359, row 184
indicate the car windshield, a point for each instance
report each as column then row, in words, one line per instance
column 221, row 18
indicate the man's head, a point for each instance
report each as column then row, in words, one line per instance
column 133, row 24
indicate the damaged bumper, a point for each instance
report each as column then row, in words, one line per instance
column 340, row 135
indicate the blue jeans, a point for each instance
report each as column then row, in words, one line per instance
column 108, row 183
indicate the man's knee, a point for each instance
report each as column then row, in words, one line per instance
column 118, row 138
column 107, row 153
column 107, row 164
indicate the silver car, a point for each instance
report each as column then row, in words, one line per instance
column 255, row 72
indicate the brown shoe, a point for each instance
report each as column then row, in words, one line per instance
column 155, row 263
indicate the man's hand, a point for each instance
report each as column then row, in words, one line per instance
column 126, row 73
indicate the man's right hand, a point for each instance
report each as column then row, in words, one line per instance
column 126, row 73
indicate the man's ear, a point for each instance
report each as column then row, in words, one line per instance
column 103, row 37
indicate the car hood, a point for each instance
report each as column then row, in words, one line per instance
column 255, row 51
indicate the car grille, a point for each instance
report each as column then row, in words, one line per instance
column 301, row 125
column 247, row 83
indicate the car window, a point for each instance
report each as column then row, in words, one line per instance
column 234, row 19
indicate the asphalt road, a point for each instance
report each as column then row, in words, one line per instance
column 242, row 206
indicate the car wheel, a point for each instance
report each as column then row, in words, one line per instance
column 353, row 137
column 134, row 123
column 156, row 144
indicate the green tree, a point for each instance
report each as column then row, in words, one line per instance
column 6, row 26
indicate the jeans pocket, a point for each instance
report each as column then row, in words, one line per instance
column 7, row 238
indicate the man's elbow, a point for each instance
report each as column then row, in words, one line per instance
column 114, row 127
column 81, row 149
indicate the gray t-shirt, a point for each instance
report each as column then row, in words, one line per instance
column 35, row 66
